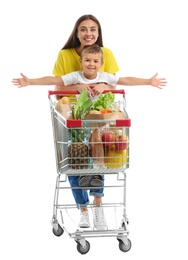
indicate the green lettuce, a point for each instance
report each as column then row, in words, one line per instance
column 104, row 101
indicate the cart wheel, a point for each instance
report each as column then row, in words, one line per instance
column 58, row 232
column 83, row 250
column 123, row 247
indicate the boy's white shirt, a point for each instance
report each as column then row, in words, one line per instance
column 78, row 77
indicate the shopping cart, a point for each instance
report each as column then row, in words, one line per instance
column 116, row 162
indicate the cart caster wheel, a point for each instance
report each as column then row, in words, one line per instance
column 58, row 232
column 123, row 247
column 83, row 250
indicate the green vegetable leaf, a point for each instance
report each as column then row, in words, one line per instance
column 82, row 106
column 104, row 101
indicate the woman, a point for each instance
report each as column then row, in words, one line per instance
column 86, row 32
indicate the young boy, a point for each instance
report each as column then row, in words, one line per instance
column 91, row 60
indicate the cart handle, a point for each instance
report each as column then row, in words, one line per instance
column 68, row 92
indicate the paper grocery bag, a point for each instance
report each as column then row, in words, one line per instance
column 65, row 110
column 98, row 119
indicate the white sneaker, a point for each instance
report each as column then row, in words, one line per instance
column 84, row 220
column 99, row 218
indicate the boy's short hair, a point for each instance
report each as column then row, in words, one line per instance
column 95, row 48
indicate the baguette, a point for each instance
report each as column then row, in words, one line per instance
column 96, row 148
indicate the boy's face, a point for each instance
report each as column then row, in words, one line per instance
column 91, row 63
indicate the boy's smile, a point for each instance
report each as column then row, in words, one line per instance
column 91, row 63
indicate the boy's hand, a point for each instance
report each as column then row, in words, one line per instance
column 100, row 87
column 158, row 82
column 21, row 82
column 80, row 87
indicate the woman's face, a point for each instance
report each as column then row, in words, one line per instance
column 88, row 33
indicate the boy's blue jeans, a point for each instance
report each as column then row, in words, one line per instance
column 81, row 196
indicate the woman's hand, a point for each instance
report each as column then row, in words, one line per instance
column 157, row 82
column 21, row 82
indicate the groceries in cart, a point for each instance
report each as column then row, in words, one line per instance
column 96, row 142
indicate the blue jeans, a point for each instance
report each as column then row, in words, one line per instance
column 81, row 196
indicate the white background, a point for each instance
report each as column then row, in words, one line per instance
column 146, row 37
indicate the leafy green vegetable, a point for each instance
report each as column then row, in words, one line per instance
column 104, row 101
column 82, row 106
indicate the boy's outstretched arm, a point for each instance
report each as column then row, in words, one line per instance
column 153, row 81
column 48, row 80
column 158, row 82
